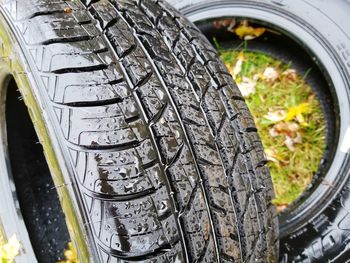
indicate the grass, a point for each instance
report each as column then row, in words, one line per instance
column 292, row 168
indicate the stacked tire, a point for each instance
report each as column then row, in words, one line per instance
column 316, row 227
column 157, row 149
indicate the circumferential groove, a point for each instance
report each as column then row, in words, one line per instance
column 178, row 117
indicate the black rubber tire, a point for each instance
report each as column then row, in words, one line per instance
column 162, row 152
column 316, row 229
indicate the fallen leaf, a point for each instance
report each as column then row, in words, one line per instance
column 271, row 155
column 297, row 112
column 273, row 132
column 270, row 74
column 289, row 141
column 10, row 250
column 276, row 116
column 246, row 86
column 70, row 254
column 257, row 76
column 290, row 74
column 238, row 66
column 281, row 207
column 229, row 23
column 68, row 10
column 286, row 128
column 246, row 32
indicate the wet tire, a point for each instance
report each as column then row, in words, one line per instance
column 316, row 227
column 157, row 147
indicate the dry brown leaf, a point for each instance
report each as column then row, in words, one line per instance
column 229, row 23
column 289, row 141
column 238, row 66
column 290, row 74
column 276, row 115
column 271, row 155
column 68, row 10
column 281, row 207
column 270, row 74
column 273, row 132
column 286, row 128
column 246, row 86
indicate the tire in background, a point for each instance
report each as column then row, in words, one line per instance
column 316, row 227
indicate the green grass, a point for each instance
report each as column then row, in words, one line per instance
column 291, row 171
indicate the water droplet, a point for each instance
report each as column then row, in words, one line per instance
column 131, row 109
column 137, row 165
column 161, row 240
column 160, row 94
column 128, row 215
column 193, row 179
column 164, row 207
column 129, row 187
column 162, row 120
column 177, row 134
column 109, row 161
column 172, row 115
column 179, row 258
column 123, row 172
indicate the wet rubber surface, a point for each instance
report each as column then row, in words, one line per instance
column 165, row 154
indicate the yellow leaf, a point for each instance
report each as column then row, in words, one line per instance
column 248, row 32
column 69, row 254
column 10, row 250
column 297, row 112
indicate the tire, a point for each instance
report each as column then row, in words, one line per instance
column 156, row 151
column 316, row 227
